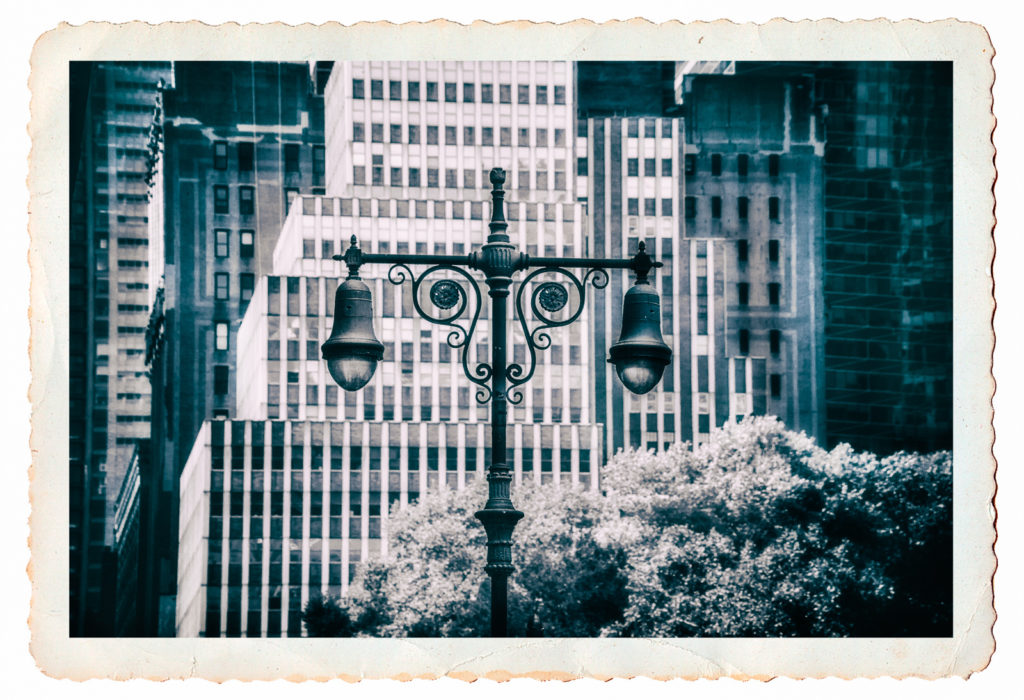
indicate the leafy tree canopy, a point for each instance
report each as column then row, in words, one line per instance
column 758, row 532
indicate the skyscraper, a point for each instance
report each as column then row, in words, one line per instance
column 115, row 137
column 241, row 140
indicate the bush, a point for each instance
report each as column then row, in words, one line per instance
column 759, row 532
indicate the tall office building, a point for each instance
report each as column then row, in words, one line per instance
column 720, row 175
column 115, row 110
column 888, row 254
column 409, row 147
column 241, row 139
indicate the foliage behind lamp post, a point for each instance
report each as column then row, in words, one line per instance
column 640, row 355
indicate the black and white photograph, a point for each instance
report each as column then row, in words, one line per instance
column 504, row 349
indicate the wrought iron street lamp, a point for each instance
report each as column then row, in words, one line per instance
column 640, row 355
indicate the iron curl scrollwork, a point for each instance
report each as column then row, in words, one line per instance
column 451, row 296
column 547, row 298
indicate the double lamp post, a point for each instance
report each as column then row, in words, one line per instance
column 640, row 356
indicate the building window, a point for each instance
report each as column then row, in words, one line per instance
column 431, row 92
column 487, row 93
column 743, row 292
column 220, row 285
column 469, row 136
column 691, row 207
column 467, row 92
column 220, row 155
column 358, row 89
column 395, row 90
column 431, row 135
column 632, row 167
column 649, row 127
column 774, row 341
column 524, row 137
column 291, row 157
column 716, row 207
column 506, row 136
column 559, row 94
column 581, row 166
column 742, row 207
column 396, row 177
column 666, row 167
column 773, row 208
column 220, row 199
column 358, row 131
column 377, row 172
column 450, row 92
column 451, row 135
column 220, row 330
column 432, row 177
column 413, row 91
column 632, row 127
column 359, row 174
column 716, row 164
column 776, row 385
column 220, row 245
column 742, row 250
column 319, row 161
column 633, row 206
column 220, row 380
column 376, row 89
column 744, row 338
column 773, row 251
column 523, row 95
column 451, row 178
column 773, row 293
column 542, row 138
column 468, row 181
column 246, row 156
column 742, row 164
column 414, row 133
column 690, row 164
column 541, row 94
column 487, row 136
column 505, row 94
column 377, row 133
column 396, row 133
column 773, row 165
column 649, row 207
column 246, row 283
column 246, row 244
column 246, row 201
column 414, row 177
column 666, row 207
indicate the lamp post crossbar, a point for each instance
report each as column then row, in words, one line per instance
column 497, row 380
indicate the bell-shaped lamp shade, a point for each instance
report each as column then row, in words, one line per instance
column 353, row 351
column 641, row 355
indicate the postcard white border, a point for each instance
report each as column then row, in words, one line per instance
column 968, row 650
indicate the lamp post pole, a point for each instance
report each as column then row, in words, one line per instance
column 640, row 355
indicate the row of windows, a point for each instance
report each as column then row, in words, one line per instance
column 452, row 93
column 327, row 250
column 742, row 207
column 222, row 243
column 743, row 293
column 633, row 167
column 222, row 286
column 743, row 250
column 742, row 164
column 774, row 341
column 373, row 458
column 412, row 177
column 542, row 138
column 245, row 152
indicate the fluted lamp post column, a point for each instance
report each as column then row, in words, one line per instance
column 639, row 356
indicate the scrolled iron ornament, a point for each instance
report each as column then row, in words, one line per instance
column 448, row 294
column 547, row 298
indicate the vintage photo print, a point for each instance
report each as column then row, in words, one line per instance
column 512, row 350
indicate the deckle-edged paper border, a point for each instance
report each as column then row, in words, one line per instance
column 971, row 645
